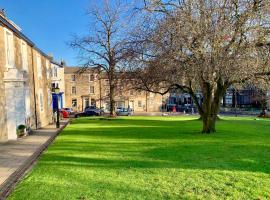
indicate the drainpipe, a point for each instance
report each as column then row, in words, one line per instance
column 34, row 85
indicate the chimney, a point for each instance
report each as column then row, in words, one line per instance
column 2, row 12
column 63, row 63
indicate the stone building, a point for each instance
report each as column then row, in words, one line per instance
column 25, row 96
column 90, row 87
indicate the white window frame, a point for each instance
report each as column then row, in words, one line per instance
column 39, row 66
column 24, row 54
column 41, row 101
column 48, row 69
column 49, row 99
column 9, row 49
column 27, row 103
column 55, row 72
column 90, row 92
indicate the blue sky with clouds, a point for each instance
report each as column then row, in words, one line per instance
column 50, row 23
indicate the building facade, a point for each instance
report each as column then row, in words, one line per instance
column 91, row 88
column 58, row 81
column 25, row 97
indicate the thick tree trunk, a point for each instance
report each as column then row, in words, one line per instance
column 112, row 101
column 209, row 124
column 211, row 105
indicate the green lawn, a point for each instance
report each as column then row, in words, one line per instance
column 153, row 158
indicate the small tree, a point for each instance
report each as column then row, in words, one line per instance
column 205, row 46
column 104, row 46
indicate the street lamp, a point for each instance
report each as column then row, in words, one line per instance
column 57, row 91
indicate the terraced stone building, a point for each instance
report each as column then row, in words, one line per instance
column 92, row 88
column 25, row 97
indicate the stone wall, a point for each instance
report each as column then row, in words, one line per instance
column 20, row 91
column 3, row 129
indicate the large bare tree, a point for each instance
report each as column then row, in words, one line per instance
column 203, row 46
column 104, row 46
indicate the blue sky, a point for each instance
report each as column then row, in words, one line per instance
column 50, row 23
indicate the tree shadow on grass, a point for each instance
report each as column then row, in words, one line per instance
column 161, row 144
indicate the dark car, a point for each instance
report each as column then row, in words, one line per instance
column 93, row 108
column 88, row 113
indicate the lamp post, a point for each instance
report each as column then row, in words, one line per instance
column 57, row 91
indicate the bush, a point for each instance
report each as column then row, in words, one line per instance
column 20, row 130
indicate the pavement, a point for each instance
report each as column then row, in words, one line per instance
column 17, row 157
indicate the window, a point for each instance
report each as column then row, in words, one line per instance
column 91, row 77
column 9, row 49
column 39, row 68
column 41, row 101
column 131, row 92
column 73, row 77
column 86, row 102
column 107, row 82
column 74, row 103
column 49, row 99
column 73, row 90
column 92, row 89
column 139, row 103
column 55, row 72
column 27, row 102
column 107, row 92
column 93, row 102
column 48, row 69
column 24, row 56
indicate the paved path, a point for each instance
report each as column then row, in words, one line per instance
column 16, row 157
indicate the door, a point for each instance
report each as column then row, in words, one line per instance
column 86, row 102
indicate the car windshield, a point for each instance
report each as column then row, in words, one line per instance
column 124, row 110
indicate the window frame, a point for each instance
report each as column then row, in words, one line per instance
column 91, row 75
column 24, row 54
column 72, row 90
column 73, row 75
column 74, row 100
column 41, row 101
column 91, row 87
column 9, row 49
column 139, row 103
column 39, row 65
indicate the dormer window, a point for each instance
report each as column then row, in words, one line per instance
column 10, row 63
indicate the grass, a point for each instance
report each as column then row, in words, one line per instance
column 153, row 158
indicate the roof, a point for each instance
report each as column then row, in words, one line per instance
column 74, row 70
column 57, row 63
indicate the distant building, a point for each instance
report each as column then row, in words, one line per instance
column 91, row 88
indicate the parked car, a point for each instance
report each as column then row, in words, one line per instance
column 88, row 113
column 93, row 108
column 64, row 113
column 123, row 112
column 69, row 110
